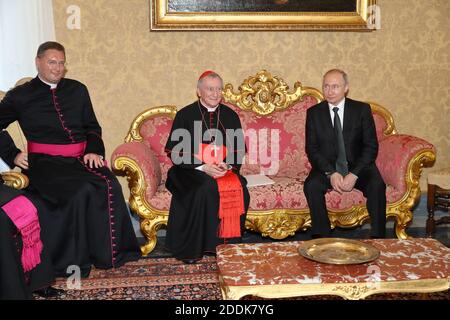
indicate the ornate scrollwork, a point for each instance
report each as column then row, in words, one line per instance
column 151, row 220
column 352, row 292
column 401, row 210
column 264, row 94
column 134, row 134
column 278, row 225
column 149, row 228
column 390, row 126
column 15, row 179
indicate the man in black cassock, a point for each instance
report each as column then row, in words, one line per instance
column 18, row 281
column 85, row 215
column 209, row 196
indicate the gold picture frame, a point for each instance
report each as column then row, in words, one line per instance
column 176, row 15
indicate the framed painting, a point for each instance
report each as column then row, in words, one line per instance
column 344, row 15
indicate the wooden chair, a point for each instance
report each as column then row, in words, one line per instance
column 438, row 198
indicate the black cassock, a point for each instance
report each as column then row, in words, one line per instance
column 14, row 283
column 85, row 215
column 192, row 229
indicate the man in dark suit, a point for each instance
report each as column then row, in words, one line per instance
column 342, row 159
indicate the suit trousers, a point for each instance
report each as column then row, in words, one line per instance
column 369, row 182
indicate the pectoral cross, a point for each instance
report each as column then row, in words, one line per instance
column 215, row 148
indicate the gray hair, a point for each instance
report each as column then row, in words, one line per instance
column 341, row 72
column 212, row 75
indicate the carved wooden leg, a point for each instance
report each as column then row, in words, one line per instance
column 402, row 220
column 149, row 228
column 150, row 235
column 430, row 206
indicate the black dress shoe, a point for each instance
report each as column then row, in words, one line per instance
column 49, row 292
column 190, row 261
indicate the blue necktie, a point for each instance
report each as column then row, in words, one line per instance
column 341, row 161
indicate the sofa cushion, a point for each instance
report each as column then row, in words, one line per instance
column 155, row 132
column 285, row 193
column 276, row 142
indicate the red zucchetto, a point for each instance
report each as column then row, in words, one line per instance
column 205, row 74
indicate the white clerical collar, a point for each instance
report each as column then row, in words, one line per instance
column 208, row 108
column 52, row 85
column 340, row 105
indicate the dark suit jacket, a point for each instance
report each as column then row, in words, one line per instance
column 360, row 139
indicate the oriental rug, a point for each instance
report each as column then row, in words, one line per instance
column 170, row 279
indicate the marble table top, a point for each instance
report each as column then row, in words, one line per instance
column 279, row 263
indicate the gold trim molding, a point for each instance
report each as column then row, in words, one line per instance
column 264, row 94
column 350, row 291
column 358, row 20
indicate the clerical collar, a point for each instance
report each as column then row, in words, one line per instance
column 52, row 85
column 209, row 109
column 340, row 105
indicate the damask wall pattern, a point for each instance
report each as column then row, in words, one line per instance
column 404, row 66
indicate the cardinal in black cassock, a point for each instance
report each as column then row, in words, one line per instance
column 209, row 196
column 85, row 215
column 24, row 263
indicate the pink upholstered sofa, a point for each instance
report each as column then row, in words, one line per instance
column 267, row 108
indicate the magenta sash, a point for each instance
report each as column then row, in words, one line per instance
column 66, row 150
column 24, row 216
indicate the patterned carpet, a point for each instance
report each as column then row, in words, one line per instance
column 170, row 279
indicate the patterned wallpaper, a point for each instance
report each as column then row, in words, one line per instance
column 404, row 66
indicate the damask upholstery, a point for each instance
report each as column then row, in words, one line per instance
column 269, row 112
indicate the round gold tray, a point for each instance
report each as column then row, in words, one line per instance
column 338, row 251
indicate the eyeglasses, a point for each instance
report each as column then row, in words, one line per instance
column 213, row 89
column 54, row 63
column 332, row 87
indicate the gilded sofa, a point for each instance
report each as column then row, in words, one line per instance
column 269, row 113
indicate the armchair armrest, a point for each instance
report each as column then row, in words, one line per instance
column 139, row 163
column 401, row 157
column 15, row 179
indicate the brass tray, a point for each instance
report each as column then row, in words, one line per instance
column 338, row 251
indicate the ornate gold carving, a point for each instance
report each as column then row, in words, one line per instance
column 15, row 179
column 149, row 228
column 264, row 94
column 277, row 224
column 390, row 128
column 134, row 133
column 151, row 219
column 401, row 209
column 351, row 291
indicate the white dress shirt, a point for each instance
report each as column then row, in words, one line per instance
column 340, row 105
